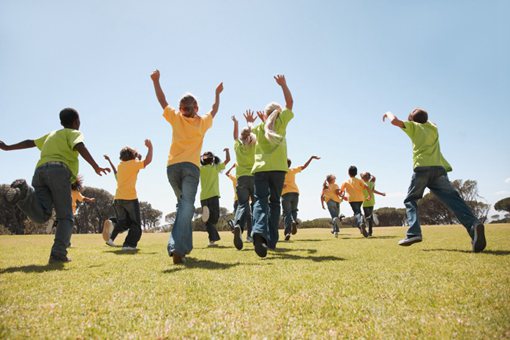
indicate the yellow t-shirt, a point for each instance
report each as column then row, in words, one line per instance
column 354, row 188
column 330, row 193
column 290, row 181
column 76, row 196
column 187, row 136
column 127, row 173
column 234, row 183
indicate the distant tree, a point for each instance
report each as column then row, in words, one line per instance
column 150, row 216
column 91, row 216
column 391, row 216
column 503, row 205
column 11, row 217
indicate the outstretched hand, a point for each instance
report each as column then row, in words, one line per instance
column 234, row 119
column 100, row 171
column 155, row 75
column 219, row 89
column 148, row 143
column 262, row 115
column 386, row 115
column 226, row 150
column 106, row 157
column 250, row 116
column 2, row 145
column 316, row 157
column 280, row 80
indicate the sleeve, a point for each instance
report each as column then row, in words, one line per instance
column 39, row 142
column 237, row 144
column 170, row 114
column 286, row 116
column 298, row 170
column 140, row 165
column 409, row 128
column 207, row 122
column 220, row 167
column 74, row 137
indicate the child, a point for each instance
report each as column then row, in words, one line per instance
column 210, row 191
column 430, row 171
column 126, row 205
column 331, row 195
column 354, row 188
column 290, row 198
column 269, row 170
column 51, row 185
column 368, row 204
column 244, row 148
column 188, row 131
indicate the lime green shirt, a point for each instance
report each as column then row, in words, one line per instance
column 209, row 180
column 58, row 146
column 426, row 150
column 245, row 157
column 371, row 201
column 272, row 157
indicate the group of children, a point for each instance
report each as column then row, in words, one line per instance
column 264, row 180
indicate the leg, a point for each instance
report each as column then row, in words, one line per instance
column 243, row 199
column 276, row 180
column 38, row 202
column 132, row 207
column 287, row 214
column 260, row 230
column 333, row 208
column 213, row 204
column 418, row 184
column 368, row 215
column 294, row 210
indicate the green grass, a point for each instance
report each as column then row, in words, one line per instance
column 312, row 286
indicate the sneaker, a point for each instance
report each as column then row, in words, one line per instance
column 249, row 239
column 59, row 259
column 363, row 230
column 231, row 225
column 178, row 259
column 409, row 240
column 17, row 191
column 205, row 214
column 336, row 234
column 238, row 241
column 260, row 245
column 110, row 243
column 107, row 230
column 287, row 237
column 212, row 244
column 129, row 248
column 479, row 242
column 294, row 227
column 52, row 222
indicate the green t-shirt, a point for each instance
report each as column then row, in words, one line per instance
column 371, row 201
column 268, row 156
column 58, row 146
column 245, row 157
column 209, row 180
column 426, row 150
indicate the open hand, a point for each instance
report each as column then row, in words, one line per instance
column 100, row 171
column 234, row 119
column 250, row 116
column 262, row 115
column 280, row 80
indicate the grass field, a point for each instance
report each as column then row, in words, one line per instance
column 311, row 286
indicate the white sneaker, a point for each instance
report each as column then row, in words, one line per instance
column 409, row 240
column 212, row 244
column 50, row 224
column 107, row 229
column 205, row 214
column 249, row 239
column 129, row 248
column 110, row 243
column 336, row 234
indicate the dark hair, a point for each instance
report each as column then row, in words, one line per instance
column 188, row 103
column 209, row 158
column 418, row 116
column 68, row 116
column 78, row 184
column 353, row 171
column 289, row 162
column 127, row 154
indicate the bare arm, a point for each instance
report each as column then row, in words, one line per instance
column 378, row 193
column 236, row 128
column 111, row 164
column 159, row 91
column 304, row 166
column 26, row 144
column 227, row 156
column 393, row 120
column 148, row 157
column 229, row 170
column 322, row 200
column 280, row 80
column 84, row 152
column 216, row 105
column 88, row 199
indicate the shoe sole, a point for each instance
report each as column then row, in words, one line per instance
column 479, row 241
column 294, row 228
column 177, row 259
column 363, row 230
column 259, row 245
column 287, row 237
column 11, row 195
column 238, row 241
column 407, row 244
column 107, row 230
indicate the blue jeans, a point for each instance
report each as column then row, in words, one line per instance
column 436, row 179
column 245, row 190
column 266, row 211
column 334, row 211
column 356, row 209
column 290, row 209
column 183, row 178
column 51, row 187
column 128, row 218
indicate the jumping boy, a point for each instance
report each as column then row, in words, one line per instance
column 354, row 188
column 430, row 171
column 51, row 185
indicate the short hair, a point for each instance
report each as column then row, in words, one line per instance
column 127, row 154
column 78, row 184
column 353, row 171
column 289, row 162
column 209, row 158
column 188, row 102
column 419, row 116
column 68, row 116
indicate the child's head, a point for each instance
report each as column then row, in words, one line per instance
column 247, row 137
column 366, row 176
column 69, row 118
column 289, row 162
column 330, row 179
column 271, row 107
column 353, row 171
column 209, row 158
column 78, row 184
column 419, row 116
column 127, row 154
column 188, row 105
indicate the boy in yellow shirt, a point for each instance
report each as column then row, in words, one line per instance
column 331, row 195
column 290, row 198
column 354, row 188
column 51, row 185
column 188, row 132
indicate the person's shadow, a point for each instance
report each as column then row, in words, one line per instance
column 192, row 263
column 488, row 252
column 34, row 268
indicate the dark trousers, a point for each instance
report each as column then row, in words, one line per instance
column 369, row 217
column 290, row 209
column 356, row 209
column 128, row 218
column 243, row 211
column 213, row 204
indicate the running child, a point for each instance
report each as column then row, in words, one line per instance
column 331, row 195
column 51, row 185
column 290, row 198
column 188, row 131
column 430, row 171
column 354, row 188
column 368, row 204
column 210, row 168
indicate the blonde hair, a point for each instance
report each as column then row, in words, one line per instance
column 272, row 110
column 326, row 182
column 251, row 139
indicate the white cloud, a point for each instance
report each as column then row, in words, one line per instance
column 507, row 181
column 502, row 193
column 396, row 194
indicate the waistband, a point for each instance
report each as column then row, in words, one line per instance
column 52, row 164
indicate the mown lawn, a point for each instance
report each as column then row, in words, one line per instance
column 312, row 286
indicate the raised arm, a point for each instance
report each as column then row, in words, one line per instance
column 227, row 156
column 84, row 152
column 148, row 157
column 393, row 120
column 304, row 166
column 216, row 105
column 229, row 170
column 236, row 128
column 111, row 164
column 26, row 144
column 280, row 80
column 159, row 91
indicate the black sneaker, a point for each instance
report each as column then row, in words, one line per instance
column 260, row 245
column 17, row 191
column 238, row 241
column 363, row 230
column 287, row 237
column 59, row 259
column 294, row 227
column 479, row 242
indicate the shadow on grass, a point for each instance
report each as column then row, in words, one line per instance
column 488, row 252
column 309, row 258
column 383, row 237
column 307, row 240
column 124, row 252
column 286, row 250
column 192, row 263
column 34, row 268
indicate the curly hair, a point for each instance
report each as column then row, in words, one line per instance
column 127, row 154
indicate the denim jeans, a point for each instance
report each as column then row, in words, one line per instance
column 245, row 191
column 183, row 178
column 290, row 209
column 128, row 218
column 266, row 211
column 356, row 209
column 369, row 211
column 436, row 179
column 213, row 204
column 51, row 187
column 334, row 211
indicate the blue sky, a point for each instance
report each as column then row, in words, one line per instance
column 345, row 62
